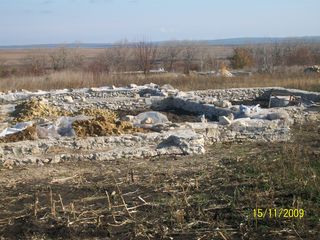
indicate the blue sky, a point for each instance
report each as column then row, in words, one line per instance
column 104, row 21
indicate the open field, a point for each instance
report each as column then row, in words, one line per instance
column 18, row 56
column 200, row 197
column 58, row 68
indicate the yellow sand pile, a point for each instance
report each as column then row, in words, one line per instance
column 103, row 123
column 35, row 109
column 30, row 133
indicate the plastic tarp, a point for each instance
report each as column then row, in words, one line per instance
column 16, row 128
column 62, row 127
column 47, row 131
column 249, row 110
column 153, row 117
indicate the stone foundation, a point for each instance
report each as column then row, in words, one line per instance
column 170, row 138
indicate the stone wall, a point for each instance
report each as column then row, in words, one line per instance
column 119, row 103
column 177, row 142
column 187, row 139
column 239, row 94
column 172, row 139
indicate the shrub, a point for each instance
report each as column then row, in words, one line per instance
column 241, row 58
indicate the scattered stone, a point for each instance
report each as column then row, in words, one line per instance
column 187, row 141
column 282, row 115
column 222, row 103
column 68, row 99
column 147, row 120
column 279, row 101
column 230, row 116
column 167, row 87
column 132, row 85
column 278, row 115
column 209, row 100
column 136, row 96
column 8, row 164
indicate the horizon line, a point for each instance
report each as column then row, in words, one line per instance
column 162, row 41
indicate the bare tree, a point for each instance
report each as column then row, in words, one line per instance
column 170, row 55
column 206, row 57
column 100, row 63
column 301, row 55
column 188, row 56
column 268, row 57
column 118, row 57
column 145, row 54
column 59, row 59
column 36, row 64
column 210, row 62
column 76, row 58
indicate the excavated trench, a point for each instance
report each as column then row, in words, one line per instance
column 173, row 115
column 263, row 103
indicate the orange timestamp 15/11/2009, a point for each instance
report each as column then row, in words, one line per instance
column 278, row 213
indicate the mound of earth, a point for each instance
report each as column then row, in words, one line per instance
column 34, row 109
column 30, row 133
column 103, row 123
column 110, row 116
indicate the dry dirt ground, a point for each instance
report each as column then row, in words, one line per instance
column 212, row 196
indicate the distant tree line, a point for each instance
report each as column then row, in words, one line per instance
column 181, row 57
column 268, row 58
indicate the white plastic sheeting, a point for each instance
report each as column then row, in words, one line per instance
column 62, row 127
column 248, row 110
column 16, row 128
column 150, row 118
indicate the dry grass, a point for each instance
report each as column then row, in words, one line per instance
column 79, row 79
column 17, row 56
column 203, row 197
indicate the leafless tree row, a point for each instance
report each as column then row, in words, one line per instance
column 268, row 58
column 182, row 57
